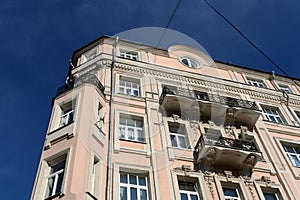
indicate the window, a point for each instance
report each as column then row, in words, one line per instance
column 189, row 62
column 95, row 177
column 270, row 196
column 129, row 54
column 256, row 82
column 188, row 190
column 55, row 179
column 231, row 193
column 293, row 152
column 285, row 88
column 177, row 135
column 67, row 114
column 129, row 86
column 131, row 128
column 273, row 114
column 133, row 187
column 271, row 193
column 89, row 55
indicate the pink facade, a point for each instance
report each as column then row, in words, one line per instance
column 183, row 126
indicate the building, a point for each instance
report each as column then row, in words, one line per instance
column 173, row 124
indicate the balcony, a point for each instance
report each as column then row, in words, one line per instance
column 210, row 106
column 87, row 78
column 215, row 153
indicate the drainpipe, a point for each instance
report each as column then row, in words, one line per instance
column 110, row 142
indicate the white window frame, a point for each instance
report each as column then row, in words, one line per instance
column 190, row 177
column 66, row 118
column 190, row 62
column 256, row 82
column 89, row 55
column 179, row 135
column 271, row 188
column 127, row 84
column 136, row 129
column 55, row 182
column 188, row 192
column 291, row 154
column 231, row 197
column 283, row 87
column 137, row 186
column 132, row 55
column 231, row 182
column 47, row 165
column 271, row 112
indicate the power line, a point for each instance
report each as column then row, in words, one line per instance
column 169, row 22
column 250, row 42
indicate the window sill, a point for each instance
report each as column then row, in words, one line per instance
column 140, row 142
column 131, row 96
column 59, row 128
column 59, row 195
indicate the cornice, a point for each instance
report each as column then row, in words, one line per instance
column 218, row 85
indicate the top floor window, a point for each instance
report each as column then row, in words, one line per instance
column 285, row 88
column 129, row 54
column 189, row 62
column 89, row 55
column 273, row 114
column 256, row 82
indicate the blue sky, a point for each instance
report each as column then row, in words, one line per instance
column 37, row 38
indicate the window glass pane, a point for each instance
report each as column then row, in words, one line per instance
column 296, row 160
column 230, row 192
column 58, row 167
column 193, row 64
column 121, row 90
column 130, row 122
column 173, row 140
column 139, row 123
column 142, row 180
column 289, row 149
column 133, row 194
column 194, row 197
column 185, row 61
column 49, row 189
column 135, row 92
column 141, row 136
column 122, row 83
column 297, row 149
column 182, row 142
column 132, row 180
column 130, row 133
column 128, row 91
column 270, row 196
column 123, row 178
column 122, row 132
column 59, row 183
column 128, row 84
column 183, row 196
column 143, row 194
column 123, row 193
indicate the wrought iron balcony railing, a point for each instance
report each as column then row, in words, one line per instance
column 89, row 78
column 203, row 96
column 237, row 144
